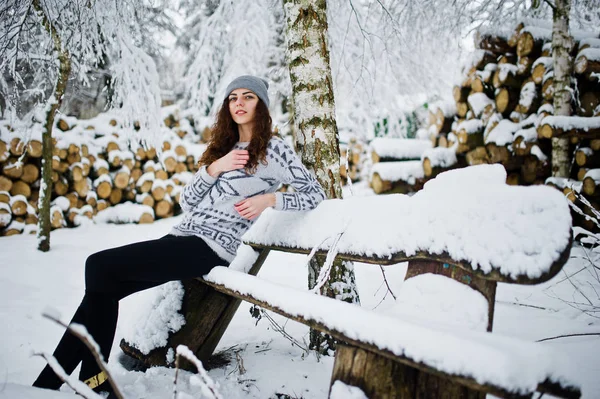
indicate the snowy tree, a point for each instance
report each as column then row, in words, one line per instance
column 317, row 140
column 225, row 40
column 47, row 42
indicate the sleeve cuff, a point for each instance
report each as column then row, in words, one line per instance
column 278, row 201
column 205, row 176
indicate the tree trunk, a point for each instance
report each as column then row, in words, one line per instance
column 317, row 140
column 43, row 234
column 562, row 44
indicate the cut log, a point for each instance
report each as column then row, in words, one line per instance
column 477, row 156
column 508, row 58
column 529, row 98
column 5, row 183
column 102, row 205
column 18, row 205
column 548, row 87
column 164, row 208
column 4, row 197
column 495, row 44
column 20, row 187
column 13, row 168
column 30, row 173
column 61, row 186
column 506, row 100
column 586, row 157
column 528, row 44
column 159, row 189
column 34, row 148
column 17, row 147
column 57, row 218
column 581, row 173
column 533, row 168
column 5, row 215
column 121, row 178
column 568, row 126
column 462, row 109
column 540, row 68
column 589, row 103
column 460, row 93
column 82, row 187
column 514, row 37
column 589, row 186
column 115, row 196
column 103, row 186
column 4, row 153
column 524, row 66
column 588, row 61
column 506, row 76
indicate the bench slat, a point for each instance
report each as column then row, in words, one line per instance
column 371, row 331
column 397, row 257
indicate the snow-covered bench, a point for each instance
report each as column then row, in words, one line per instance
column 467, row 225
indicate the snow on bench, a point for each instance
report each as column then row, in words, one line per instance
column 489, row 362
column 466, row 217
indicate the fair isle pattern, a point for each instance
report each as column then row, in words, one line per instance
column 209, row 203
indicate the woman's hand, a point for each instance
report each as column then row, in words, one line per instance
column 234, row 159
column 252, row 207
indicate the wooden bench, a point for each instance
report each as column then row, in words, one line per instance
column 392, row 357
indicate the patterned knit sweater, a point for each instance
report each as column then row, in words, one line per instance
column 208, row 201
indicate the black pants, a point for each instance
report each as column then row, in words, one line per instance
column 113, row 274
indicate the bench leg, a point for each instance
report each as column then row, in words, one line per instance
column 381, row 377
column 207, row 315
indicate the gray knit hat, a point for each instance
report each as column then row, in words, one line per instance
column 258, row 85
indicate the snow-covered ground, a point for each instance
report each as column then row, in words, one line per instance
column 264, row 363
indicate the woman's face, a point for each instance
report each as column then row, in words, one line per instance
column 242, row 106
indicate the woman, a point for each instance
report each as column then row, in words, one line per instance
column 240, row 172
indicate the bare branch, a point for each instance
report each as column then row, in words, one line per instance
column 567, row 335
column 92, row 346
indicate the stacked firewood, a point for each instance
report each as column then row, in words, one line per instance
column 504, row 109
column 94, row 167
column 396, row 164
column 351, row 156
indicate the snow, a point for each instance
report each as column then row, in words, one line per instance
column 505, row 70
column 528, row 94
column 592, row 42
column 400, row 148
column 126, row 212
column 537, row 151
column 460, row 306
column 339, row 390
column 572, row 122
column 546, row 61
column 487, row 358
column 440, row 157
column 31, row 280
column 529, row 135
column 407, row 171
column 471, row 126
column 591, row 53
column 478, row 102
column 594, row 174
column 503, row 216
column 156, row 318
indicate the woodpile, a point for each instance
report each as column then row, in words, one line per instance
column 504, row 113
column 94, row 169
column 351, row 156
column 397, row 166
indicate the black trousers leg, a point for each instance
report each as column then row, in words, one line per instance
column 116, row 273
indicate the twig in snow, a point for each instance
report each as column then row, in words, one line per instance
column 79, row 387
column 567, row 335
column 281, row 329
column 386, row 282
column 240, row 363
column 525, row 305
column 208, row 383
column 81, row 333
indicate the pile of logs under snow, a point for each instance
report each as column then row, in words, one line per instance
column 504, row 110
column 94, row 169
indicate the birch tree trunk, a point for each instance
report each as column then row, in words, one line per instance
column 53, row 104
column 316, row 137
column 562, row 44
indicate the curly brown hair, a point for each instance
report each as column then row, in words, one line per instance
column 225, row 134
